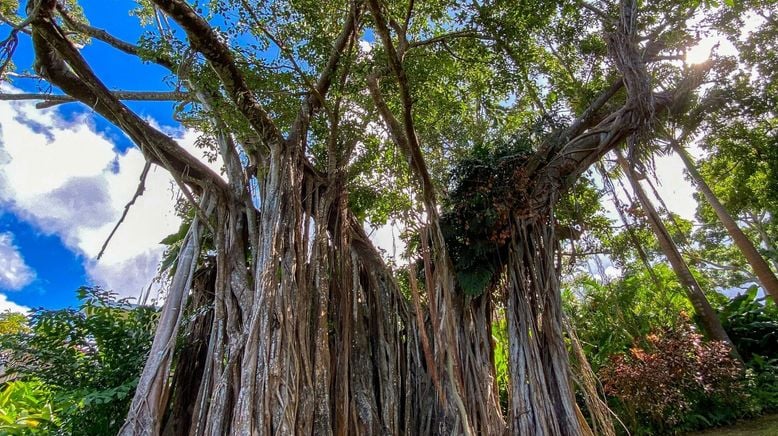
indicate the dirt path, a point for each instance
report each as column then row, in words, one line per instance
column 764, row 426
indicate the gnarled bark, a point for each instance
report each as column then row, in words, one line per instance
column 542, row 398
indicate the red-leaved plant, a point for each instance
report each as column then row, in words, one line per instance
column 672, row 374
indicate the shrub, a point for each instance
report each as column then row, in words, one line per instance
column 89, row 359
column 752, row 324
column 676, row 382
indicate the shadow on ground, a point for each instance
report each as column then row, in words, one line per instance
column 764, row 426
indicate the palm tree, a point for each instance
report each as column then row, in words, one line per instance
column 708, row 318
column 760, row 267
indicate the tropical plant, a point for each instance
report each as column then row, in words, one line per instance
column 26, row 408
column 752, row 323
column 610, row 317
column 675, row 382
column 86, row 360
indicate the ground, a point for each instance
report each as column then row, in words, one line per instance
column 764, row 426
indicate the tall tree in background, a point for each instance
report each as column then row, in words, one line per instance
column 736, row 124
column 708, row 318
column 308, row 331
column 758, row 263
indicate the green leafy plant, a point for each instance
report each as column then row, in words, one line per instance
column 752, row 324
column 612, row 317
column 486, row 187
column 88, row 358
column 26, row 408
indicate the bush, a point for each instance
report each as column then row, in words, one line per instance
column 752, row 324
column 88, row 359
column 675, row 383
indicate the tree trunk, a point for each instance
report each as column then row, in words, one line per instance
column 542, row 400
column 310, row 334
column 708, row 318
column 760, row 267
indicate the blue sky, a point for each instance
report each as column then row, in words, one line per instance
column 53, row 254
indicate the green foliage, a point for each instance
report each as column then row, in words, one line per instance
column 8, row 8
column 632, row 335
column 581, row 221
column 736, row 122
column 762, row 377
column 501, row 357
column 378, row 183
column 752, row 324
column 88, row 359
column 486, row 188
column 26, row 408
column 12, row 322
column 611, row 317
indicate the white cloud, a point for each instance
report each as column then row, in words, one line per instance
column 65, row 178
column 14, row 272
column 7, row 305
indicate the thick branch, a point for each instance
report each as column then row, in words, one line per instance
column 567, row 159
column 49, row 100
column 204, row 39
column 411, row 140
column 315, row 101
column 77, row 80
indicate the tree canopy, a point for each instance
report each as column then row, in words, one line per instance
column 472, row 128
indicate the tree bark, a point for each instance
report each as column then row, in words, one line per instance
column 760, row 267
column 708, row 318
column 542, row 400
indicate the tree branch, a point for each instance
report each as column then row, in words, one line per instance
column 111, row 40
column 449, row 36
column 49, row 100
column 77, row 79
column 597, row 11
column 315, row 101
column 13, row 25
column 411, row 141
column 204, row 39
column 285, row 51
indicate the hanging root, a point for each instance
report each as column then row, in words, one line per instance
column 138, row 193
column 148, row 404
column 585, row 379
column 542, row 395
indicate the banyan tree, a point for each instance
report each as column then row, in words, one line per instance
column 465, row 122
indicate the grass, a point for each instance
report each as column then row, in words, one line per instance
column 764, row 426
